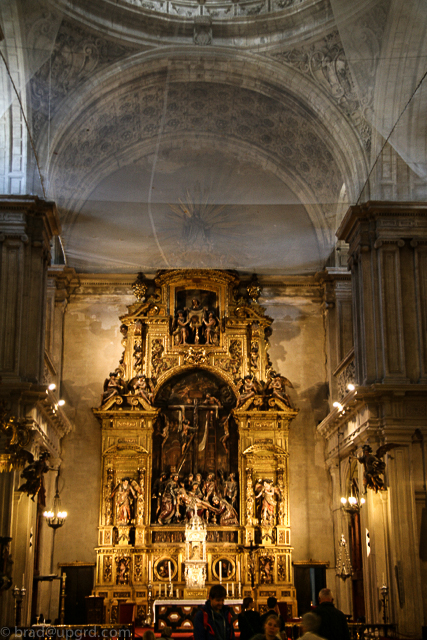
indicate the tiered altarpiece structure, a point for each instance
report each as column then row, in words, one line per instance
column 195, row 425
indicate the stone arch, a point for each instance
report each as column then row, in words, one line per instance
column 246, row 71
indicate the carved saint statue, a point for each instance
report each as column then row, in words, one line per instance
column 126, row 492
column 266, row 492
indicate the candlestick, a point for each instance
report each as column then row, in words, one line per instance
column 220, row 572
column 238, row 571
column 227, row 589
column 232, row 589
column 169, row 570
column 149, row 571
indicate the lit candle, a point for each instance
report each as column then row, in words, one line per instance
column 169, row 570
column 220, row 572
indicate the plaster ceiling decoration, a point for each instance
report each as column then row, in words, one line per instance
column 263, row 119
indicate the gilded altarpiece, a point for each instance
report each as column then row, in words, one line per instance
column 195, row 426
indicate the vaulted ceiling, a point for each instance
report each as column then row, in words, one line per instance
column 212, row 134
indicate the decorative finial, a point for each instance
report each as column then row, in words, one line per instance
column 139, row 288
column 254, row 289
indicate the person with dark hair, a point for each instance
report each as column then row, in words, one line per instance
column 213, row 621
column 333, row 624
column 249, row 620
column 166, row 633
column 273, row 609
column 271, row 628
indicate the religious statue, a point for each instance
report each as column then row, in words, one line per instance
column 180, row 330
column 143, row 387
column 231, row 490
column 223, row 439
column 113, row 386
column 126, row 492
column 373, row 466
column 158, row 489
column 266, row 492
column 276, row 386
column 211, row 329
column 122, row 574
column 266, row 569
column 187, row 433
column 227, row 514
column 33, row 474
column 169, row 501
column 196, row 314
column 247, row 389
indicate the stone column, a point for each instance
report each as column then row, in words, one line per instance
column 27, row 225
column 388, row 261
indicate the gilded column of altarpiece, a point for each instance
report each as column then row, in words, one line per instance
column 195, row 422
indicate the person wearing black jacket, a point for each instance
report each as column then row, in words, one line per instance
column 214, row 621
column 249, row 620
column 333, row 624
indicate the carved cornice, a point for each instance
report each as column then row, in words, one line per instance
column 380, row 411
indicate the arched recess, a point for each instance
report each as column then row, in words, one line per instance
column 158, row 69
column 194, row 434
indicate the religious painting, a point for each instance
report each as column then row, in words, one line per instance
column 165, row 569
column 195, row 445
column 223, row 569
column 196, row 318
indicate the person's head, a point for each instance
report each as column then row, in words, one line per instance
column 325, row 595
column 217, row 595
column 271, row 602
column 271, row 626
column 247, row 603
column 311, row 622
column 167, row 632
column 148, row 635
